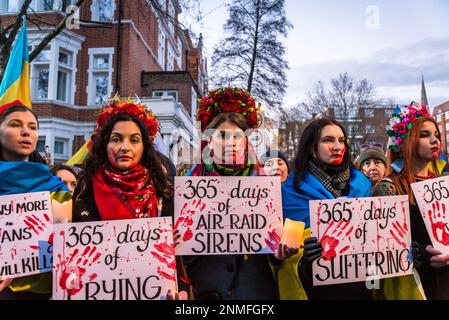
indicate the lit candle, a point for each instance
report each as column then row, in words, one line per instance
column 292, row 233
column 62, row 212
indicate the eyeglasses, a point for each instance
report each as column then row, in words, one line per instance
column 374, row 145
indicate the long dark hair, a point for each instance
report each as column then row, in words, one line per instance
column 308, row 144
column 150, row 158
column 34, row 156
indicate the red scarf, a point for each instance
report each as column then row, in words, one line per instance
column 125, row 194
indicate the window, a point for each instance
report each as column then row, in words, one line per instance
column 11, row 5
column 40, row 147
column 65, row 73
column 446, row 114
column 353, row 130
column 447, row 138
column 170, row 60
column 162, row 4
column 161, row 49
column 194, row 102
column 50, row 5
column 179, row 56
column 340, row 113
column 60, row 146
column 447, row 126
column 101, row 62
column 388, row 112
column 100, row 75
column 160, row 94
column 369, row 129
column 101, row 88
column 62, row 91
column 369, row 113
column 171, row 13
column 40, row 75
column 103, row 10
column 439, row 117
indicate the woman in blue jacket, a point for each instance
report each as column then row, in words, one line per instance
column 22, row 170
column 323, row 170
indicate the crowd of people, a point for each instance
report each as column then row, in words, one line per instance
column 125, row 177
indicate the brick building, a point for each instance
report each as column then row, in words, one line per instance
column 365, row 124
column 116, row 43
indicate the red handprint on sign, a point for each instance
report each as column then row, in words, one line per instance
column 185, row 220
column 74, row 269
column 330, row 241
column 36, row 224
column 165, row 254
column 439, row 228
column 273, row 240
column 398, row 233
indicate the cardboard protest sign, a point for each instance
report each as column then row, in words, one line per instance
column 432, row 197
column 26, row 231
column 114, row 260
column 363, row 239
column 228, row 215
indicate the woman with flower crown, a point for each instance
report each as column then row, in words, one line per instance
column 414, row 151
column 123, row 177
column 225, row 115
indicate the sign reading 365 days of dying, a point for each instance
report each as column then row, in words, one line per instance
column 363, row 239
column 228, row 215
column 432, row 197
column 114, row 260
column 26, row 231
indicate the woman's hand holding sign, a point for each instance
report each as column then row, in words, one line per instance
column 438, row 260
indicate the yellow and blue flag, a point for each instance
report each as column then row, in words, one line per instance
column 15, row 86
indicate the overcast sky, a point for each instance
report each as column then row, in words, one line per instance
column 389, row 42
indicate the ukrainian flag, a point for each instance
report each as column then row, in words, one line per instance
column 15, row 86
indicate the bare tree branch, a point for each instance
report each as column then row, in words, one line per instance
column 53, row 33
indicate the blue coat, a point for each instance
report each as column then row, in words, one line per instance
column 295, row 205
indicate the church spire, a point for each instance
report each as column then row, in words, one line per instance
column 423, row 92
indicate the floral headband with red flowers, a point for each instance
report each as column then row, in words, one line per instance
column 131, row 107
column 401, row 122
column 228, row 99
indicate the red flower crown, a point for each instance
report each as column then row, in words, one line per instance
column 131, row 107
column 228, row 99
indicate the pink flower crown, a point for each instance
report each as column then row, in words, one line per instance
column 131, row 107
column 401, row 123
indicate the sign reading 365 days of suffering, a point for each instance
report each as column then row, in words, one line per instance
column 228, row 215
column 114, row 260
column 432, row 197
column 362, row 238
column 26, row 231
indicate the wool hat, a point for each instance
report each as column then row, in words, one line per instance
column 372, row 153
column 274, row 154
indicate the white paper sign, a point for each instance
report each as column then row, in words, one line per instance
column 228, row 215
column 363, row 239
column 432, row 197
column 114, row 260
column 25, row 234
